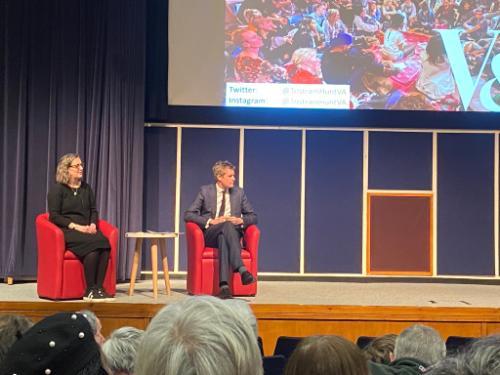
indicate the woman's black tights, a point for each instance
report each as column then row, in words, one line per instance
column 95, row 265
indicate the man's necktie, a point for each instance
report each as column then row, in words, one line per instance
column 223, row 205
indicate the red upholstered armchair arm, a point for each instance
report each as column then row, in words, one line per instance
column 251, row 241
column 195, row 246
column 112, row 234
column 195, row 239
column 50, row 240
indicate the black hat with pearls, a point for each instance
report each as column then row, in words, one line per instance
column 61, row 344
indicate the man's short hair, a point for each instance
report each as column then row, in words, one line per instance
column 120, row 349
column 422, row 343
column 220, row 167
column 327, row 355
column 380, row 349
column 198, row 335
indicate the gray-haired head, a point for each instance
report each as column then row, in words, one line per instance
column 245, row 312
column 12, row 328
column 483, row 356
column 420, row 342
column 198, row 335
column 62, row 170
column 95, row 325
column 219, row 168
column 120, row 349
column 448, row 366
column 92, row 318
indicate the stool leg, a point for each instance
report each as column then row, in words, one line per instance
column 166, row 276
column 135, row 265
column 154, row 265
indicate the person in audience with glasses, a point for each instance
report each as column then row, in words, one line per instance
column 72, row 208
column 223, row 211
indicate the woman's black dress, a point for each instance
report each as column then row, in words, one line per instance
column 67, row 205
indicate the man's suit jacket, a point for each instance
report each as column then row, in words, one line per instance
column 204, row 206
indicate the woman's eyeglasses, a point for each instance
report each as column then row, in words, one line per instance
column 77, row 166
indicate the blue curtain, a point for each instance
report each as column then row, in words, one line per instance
column 71, row 79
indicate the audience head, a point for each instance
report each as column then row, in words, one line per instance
column 247, row 39
column 422, row 343
column 307, row 59
column 120, row 350
column 199, row 335
column 12, row 328
column 265, row 24
column 95, row 325
column 483, row 356
column 244, row 311
column 397, row 21
column 319, row 9
column 307, row 24
column 478, row 12
column 435, row 49
column 359, row 10
column 333, row 15
column 59, row 344
column 64, row 167
column 326, row 355
column 250, row 15
column 448, row 366
column 381, row 349
column 342, row 41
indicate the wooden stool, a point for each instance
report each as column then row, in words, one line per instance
column 156, row 238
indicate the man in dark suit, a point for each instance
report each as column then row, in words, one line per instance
column 223, row 211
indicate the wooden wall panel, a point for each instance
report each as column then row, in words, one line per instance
column 295, row 320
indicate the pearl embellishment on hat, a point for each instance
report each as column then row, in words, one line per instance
column 48, row 372
column 81, row 335
column 74, row 317
column 52, row 344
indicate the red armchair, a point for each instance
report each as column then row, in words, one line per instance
column 60, row 272
column 203, row 263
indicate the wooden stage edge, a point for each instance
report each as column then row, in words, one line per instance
column 276, row 320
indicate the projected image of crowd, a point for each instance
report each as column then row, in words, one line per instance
column 387, row 51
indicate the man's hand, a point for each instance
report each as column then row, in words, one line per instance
column 218, row 220
column 235, row 220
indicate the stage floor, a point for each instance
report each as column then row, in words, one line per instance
column 308, row 293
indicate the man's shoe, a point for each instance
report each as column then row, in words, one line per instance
column 225, row 292
column 247, row 278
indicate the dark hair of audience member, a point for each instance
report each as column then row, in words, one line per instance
column 12, row 328
column 397, row 21
column 435, row 50
column 93, row 366
column 483, row 356
column 326, row 355
column 448, row 366
column 381, row 349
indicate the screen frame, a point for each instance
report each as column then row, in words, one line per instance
column 157, row 109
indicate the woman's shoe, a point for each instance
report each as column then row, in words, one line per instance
column 90, row 294
column 103, row 295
